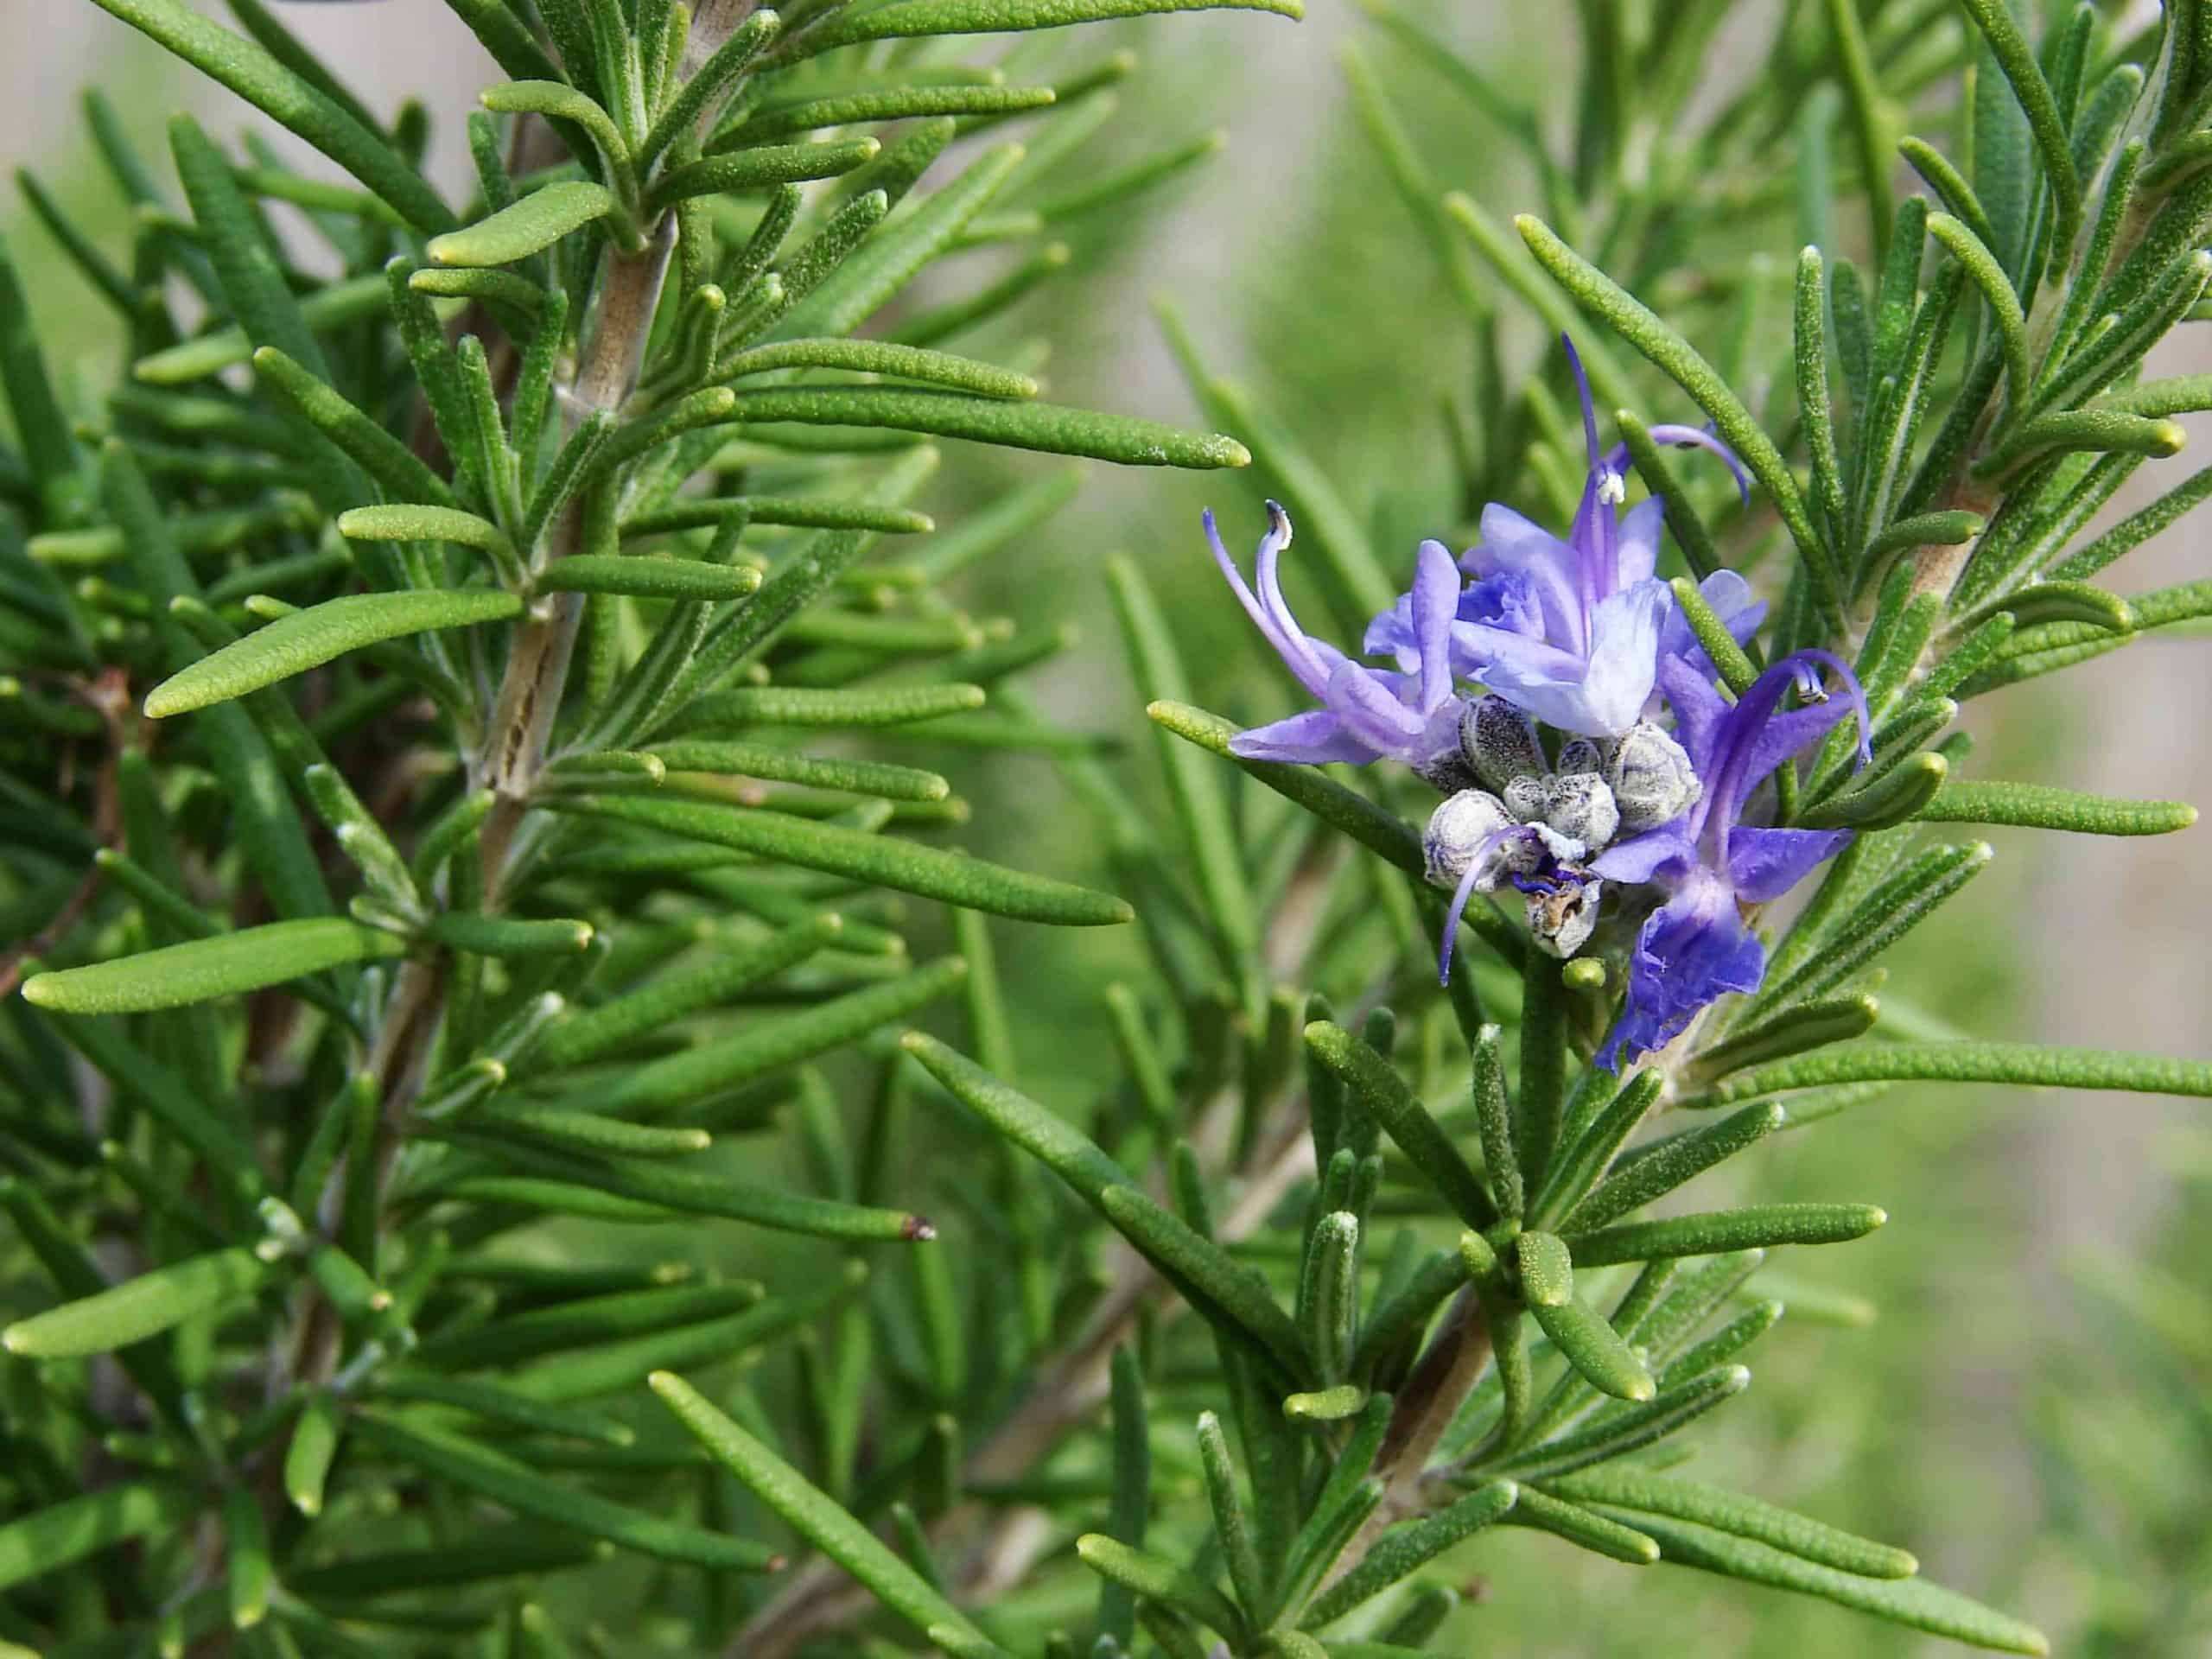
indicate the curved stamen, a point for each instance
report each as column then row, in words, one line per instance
column 1465, row 892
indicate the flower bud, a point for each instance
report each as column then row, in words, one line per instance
column 1561, row 920
column 1651, row 777
column 1499, row 743
column 1579, row 754
column 1458, row 831
column 1582, row 808
column 1528, row 797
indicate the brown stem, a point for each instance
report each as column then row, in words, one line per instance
column 538, row 667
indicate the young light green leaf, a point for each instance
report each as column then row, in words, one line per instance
column 137, row 1308
column 905, row 19
column 648, row 578
column 308, row 638
column 529, row 226
column 1757, row 1228
column 200, row 970
column 47, row 1540
column 1044, row 427
column 2033, row 1066
column 2040, row 806
column 757, row 170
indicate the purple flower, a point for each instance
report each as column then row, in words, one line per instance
column 1570, row 631
column 1695, row 946
column 1365, row 712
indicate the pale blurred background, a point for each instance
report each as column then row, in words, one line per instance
column 1918, row 1429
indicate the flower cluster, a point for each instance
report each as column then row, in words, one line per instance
column 1554, row 693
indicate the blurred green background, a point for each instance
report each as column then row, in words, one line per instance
column 2031, row 1410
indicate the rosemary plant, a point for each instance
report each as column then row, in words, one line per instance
column 446, row 813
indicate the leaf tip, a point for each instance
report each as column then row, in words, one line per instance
column 918, row 1230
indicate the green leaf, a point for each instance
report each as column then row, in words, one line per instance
column 683, row 1191
column 648, row 578
column 1375, row 1083
column 496, row 1404
column 584, row 1036
column 48, row 1540
column 154, row 1302
column 348, row 300
column 558, row 101
column 702, row 93
column 761, row 1046
column 1043, row 427
column 905, row 19
column 857, row 706
column 1594, row 1348
column 1792, row 1031
column 758, row 169
column 1622, row 1430
column 2009, row 46
column 2095, row 431
column 516, row 1549
column 408, row 521
column 880, row 356
column 1406, row 1549
column 1234, row 1292
column 881, row 860
column 489, row 1474
column 2039, row 806
column 2032, row 1066
column 200, row 970
column 1130, row 1505
column 308, row 638
column 814, row 1514
column 894, row 255
column 255, row 76
column 1231, row 1524
column 1586, row 1528
column 382, row 457
column 1910, row 1602
column 1629, row 1488
column 1162, row 1582
column 1899, row 794
column 308, row 1455
column 1996, row 289
column 1668, row 1165
column 506, row 937
column 875, row 778
column 245, row 1538
column 610, row 1368
column 529, row 226
column 1737, row 671
column 1755, row 1228
column 1224, row 1288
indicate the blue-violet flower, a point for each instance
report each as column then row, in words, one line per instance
column 1569, row 630
column 1365, row 712
column 1696, row 946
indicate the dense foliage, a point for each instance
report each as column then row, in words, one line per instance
column 449, row 828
